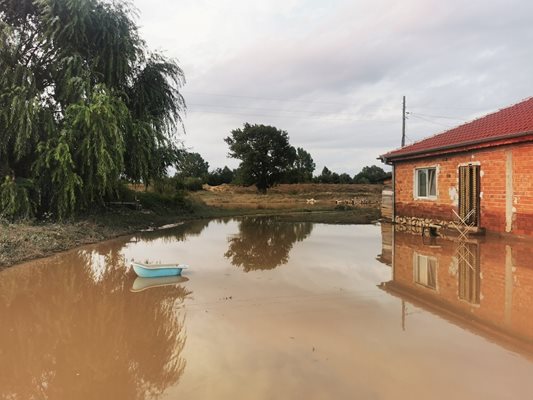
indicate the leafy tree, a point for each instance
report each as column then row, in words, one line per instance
column 83, row 103
column 304, row 166
column 220, row 176
column 192, row 165
column 345, row 178
column 265, row 154
column 325, row 176
column 302, row 169
column 373, row 174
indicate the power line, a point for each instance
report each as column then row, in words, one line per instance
column 269, row 99
column 456, row 108
column 430, row 121
column 291, row 116
column 332, row 103
column 290, row 100
column 259, row 108
column 438, row 116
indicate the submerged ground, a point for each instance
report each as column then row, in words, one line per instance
column 268, row 310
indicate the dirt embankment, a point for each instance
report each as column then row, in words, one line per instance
column 26, row 240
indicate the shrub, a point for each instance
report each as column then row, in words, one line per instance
column 193, row 184
column 163, row 203
column 18, row 199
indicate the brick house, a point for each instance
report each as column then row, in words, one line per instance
column 483, row 168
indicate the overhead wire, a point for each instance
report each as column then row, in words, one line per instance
column 271, row 99
column 322, row 116
column 438, row 116
column 331, row 102
column 430, row 121
column 258, row 108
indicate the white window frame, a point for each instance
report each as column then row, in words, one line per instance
column 417, row 257
column 416, row 187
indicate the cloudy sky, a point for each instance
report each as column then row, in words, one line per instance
column 332, row 73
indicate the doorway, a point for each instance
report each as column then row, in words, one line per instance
column 469, row 190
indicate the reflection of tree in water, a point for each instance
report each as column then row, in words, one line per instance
column 178, row 233
column 67, row 334
column 264, row 243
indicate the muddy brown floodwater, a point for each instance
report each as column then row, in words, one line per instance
column 272, row 310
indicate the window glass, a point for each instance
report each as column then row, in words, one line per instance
column 425, row 272
column 422, row 183
column 432, row 182
column 426, row 182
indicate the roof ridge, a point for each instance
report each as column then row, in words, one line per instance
column 457, row 130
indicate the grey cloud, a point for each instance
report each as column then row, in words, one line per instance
column 355, row 60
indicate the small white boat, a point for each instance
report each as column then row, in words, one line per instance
column 141, row 284
column 157, row 270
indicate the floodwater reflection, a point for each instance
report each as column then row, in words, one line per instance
column 80, row 325
column 483, row 285
column 178, row 233
column 264, row 243
column 71, row 329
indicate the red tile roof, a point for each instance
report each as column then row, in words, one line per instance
column 508, row 122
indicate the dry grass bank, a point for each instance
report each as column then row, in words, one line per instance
column 308, row 197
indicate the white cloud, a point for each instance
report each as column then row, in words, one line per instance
column 294, row 60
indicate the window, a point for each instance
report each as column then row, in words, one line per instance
column 426, row 182
column 425, row 271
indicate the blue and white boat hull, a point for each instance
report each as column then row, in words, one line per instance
column 157, row 270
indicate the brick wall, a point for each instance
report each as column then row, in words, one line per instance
column 492, row 185
column 506, row 307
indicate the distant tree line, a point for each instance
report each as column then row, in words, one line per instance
column 372, row 175
column 267, row 158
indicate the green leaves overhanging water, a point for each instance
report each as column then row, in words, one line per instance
column 83, row 104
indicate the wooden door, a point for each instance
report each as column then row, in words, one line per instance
column 469, row 193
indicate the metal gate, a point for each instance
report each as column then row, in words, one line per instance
column 469, row 194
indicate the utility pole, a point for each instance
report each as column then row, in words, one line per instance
column 403, row 122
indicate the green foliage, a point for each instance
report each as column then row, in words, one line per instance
column 193, row 184
column 304, row 166
column 325, row 176
column 83, row 103
column 302, row 169
column 192, row 165
column 345, row 178
column 97, row 127
column 61, row 184
column 164, row 203
column 220, row 176
column 265, row 154
column 17, row 199
column 373, row 174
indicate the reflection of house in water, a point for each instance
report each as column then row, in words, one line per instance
column 485, row 287
column 386, row 244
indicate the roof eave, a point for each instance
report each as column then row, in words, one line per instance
column 429, row 152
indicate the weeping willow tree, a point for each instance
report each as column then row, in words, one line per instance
column 83, row 104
